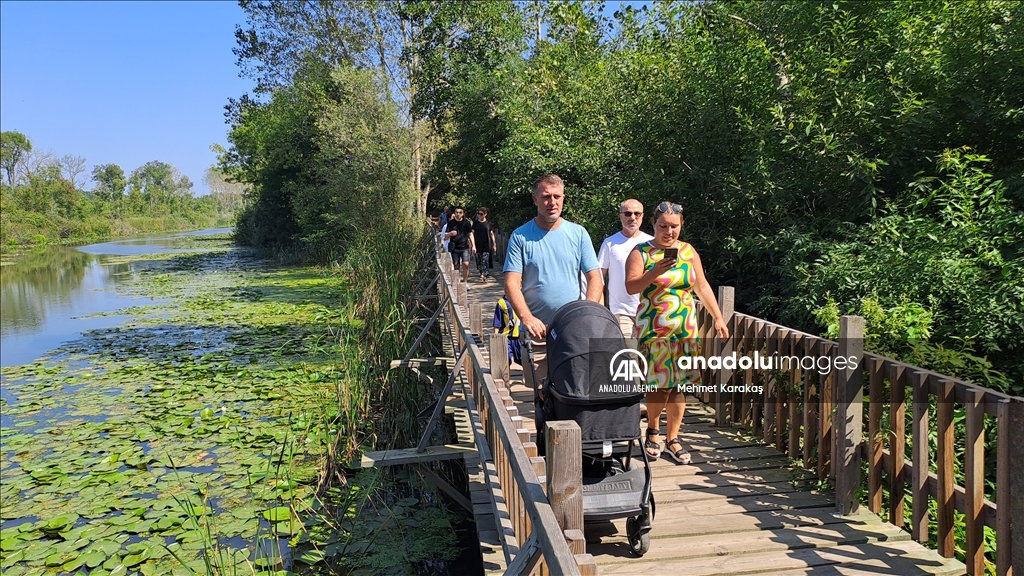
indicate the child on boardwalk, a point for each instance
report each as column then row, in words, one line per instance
column 506, row 322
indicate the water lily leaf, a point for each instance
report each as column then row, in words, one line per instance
column 138, row 558
column 107, row 546
column 278, row 514
column 112, row 562
column 12, row 558
column 310, row 557
column 58, row 524
column 244, row 512
column 93, row 558
column 167, row 522
column 407, row 502
column 57, row 559
column 12, row 544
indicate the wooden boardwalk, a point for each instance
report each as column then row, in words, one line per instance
column 741, row 507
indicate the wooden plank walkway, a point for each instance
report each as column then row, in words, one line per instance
column 739, row 508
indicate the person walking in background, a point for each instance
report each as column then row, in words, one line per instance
column 461, row 245
column 612, row 258
column 506, row 322
column 483, row 236
column 665, row 272
column 443, row 220
column 542, row 269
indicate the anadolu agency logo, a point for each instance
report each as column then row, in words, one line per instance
column 627, row 366
column 628, row 369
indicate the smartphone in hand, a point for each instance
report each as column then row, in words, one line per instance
column 671, row 253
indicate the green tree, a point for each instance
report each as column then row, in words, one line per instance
column 160, row 185
column 323, row 157
column 110, row 182
column 13, row 148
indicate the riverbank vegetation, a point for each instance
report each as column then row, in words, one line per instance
column 44, row 202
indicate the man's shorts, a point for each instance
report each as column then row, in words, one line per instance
column 460, row 256
column 627, row 325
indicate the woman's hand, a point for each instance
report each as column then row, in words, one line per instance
column 663, row 265
column 721, row 330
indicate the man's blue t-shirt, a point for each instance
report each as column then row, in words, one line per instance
column 551, row 262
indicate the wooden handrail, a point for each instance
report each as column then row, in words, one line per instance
column 826, row 414
column 530, row 515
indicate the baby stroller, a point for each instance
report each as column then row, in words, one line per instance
column 582, row 340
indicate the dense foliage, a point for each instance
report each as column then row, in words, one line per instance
column 43, row 202
column 828, row 154
column 327, row 157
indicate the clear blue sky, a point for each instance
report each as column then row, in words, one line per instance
column 121, row 82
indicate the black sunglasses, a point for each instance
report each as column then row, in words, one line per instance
column 664, row 207
column 632, row 213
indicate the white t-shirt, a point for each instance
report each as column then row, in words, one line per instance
column 614, row 251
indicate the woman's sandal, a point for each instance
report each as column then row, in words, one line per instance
column 652, row 448
column 681, row 456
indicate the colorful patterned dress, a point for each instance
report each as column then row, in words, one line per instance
column 666, row 320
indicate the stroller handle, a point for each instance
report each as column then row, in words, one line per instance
column 529, row 356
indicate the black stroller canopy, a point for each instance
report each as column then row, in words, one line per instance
column 583, row 337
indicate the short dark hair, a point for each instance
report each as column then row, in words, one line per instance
column 482, row 209
column 547, row 179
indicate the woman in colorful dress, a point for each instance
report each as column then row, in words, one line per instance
column 666, row 322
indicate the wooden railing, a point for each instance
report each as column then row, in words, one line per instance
column 820, row 419
column 536, row 536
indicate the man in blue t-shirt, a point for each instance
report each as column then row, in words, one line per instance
column 542, row 268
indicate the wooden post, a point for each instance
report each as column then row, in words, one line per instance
column 875, row 436
column 457, row 290
column 944, row 498
column 726, row 302
column 898, row 442
column 586, row 564
column 565, row 472
column 498, row 348
column 1010, row 491
column 919, row 432
column 974, row 481
column 476, row 319
column 781, row 391
column 826, row 450
column 849, row 414
column 796, row 378
column 577, row 544
column 463, row 292
column 770, row 347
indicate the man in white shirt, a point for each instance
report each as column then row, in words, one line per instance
column 612, row 259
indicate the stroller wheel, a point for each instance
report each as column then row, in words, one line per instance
column 639, row 544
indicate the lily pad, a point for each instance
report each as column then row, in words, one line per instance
column 278, row 514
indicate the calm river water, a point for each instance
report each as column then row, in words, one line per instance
column 51, row 295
